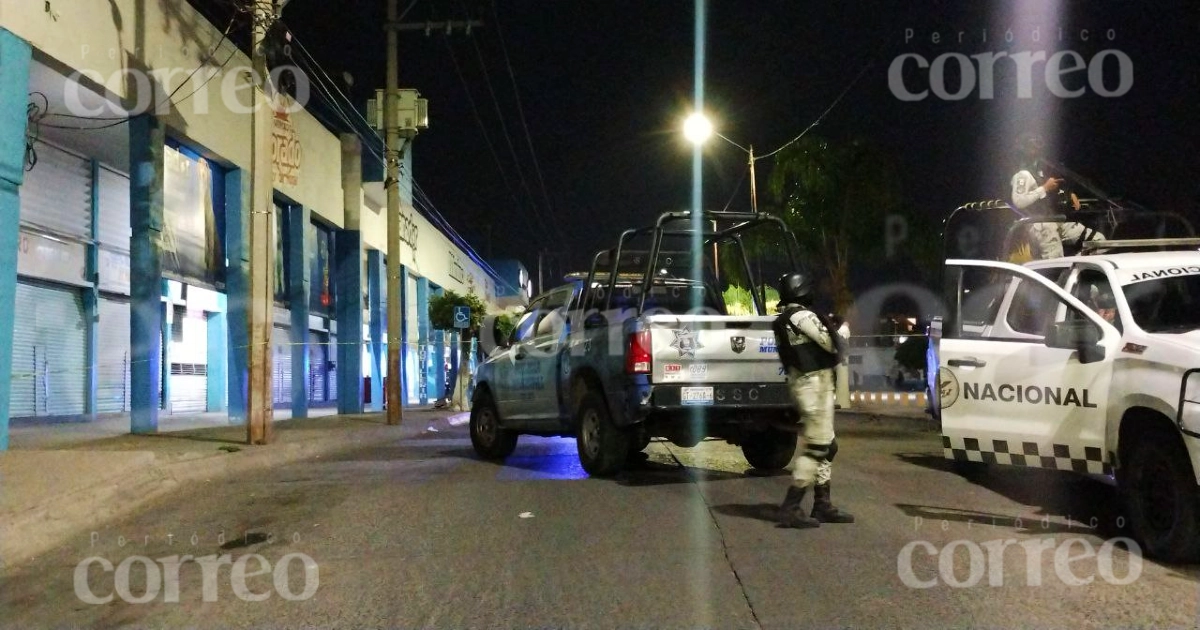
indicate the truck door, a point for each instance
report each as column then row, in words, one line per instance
column 539, row 362
column 513, row 393
column 1024, row 369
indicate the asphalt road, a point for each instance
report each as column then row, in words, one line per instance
column 420, row 534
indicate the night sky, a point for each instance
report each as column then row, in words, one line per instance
column 603, row 87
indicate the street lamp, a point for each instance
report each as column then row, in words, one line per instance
column 697, row 128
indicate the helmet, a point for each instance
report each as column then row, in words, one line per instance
column 794, row 287
column 1031, row 143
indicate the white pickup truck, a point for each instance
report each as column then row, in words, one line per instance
column 1089, row 364
column 644, row 347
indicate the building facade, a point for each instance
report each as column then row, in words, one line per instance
column 125, row 191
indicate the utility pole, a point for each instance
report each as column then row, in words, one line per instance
column 541, row 287
column 391, row 123
column 259, row 415
column 753, row 185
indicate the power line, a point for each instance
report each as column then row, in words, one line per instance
column 420, row 198
column 120, row 120
column 524, row 123
column 486, row 137
column 508, row 138
column 823, row 114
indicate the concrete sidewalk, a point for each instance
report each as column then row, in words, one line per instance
column 59, row 480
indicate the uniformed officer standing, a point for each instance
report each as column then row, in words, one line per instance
column 1037, row 195
column 809, row 349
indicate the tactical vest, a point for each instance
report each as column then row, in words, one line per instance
column 804, row 357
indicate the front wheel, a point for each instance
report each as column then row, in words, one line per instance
column 772, row 449
column 603, row 446
column 487, row 437
column 1160, row 494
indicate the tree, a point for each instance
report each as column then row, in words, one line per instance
column 441, row 317
column 835, row 197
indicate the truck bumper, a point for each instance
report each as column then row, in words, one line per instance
column 713, row 400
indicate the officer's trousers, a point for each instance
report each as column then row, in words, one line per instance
column 813, row 395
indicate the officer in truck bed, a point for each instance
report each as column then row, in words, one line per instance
column 1035, row 194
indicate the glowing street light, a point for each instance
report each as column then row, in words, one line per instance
column 697, row 128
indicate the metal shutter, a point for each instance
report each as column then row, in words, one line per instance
column 57, row 193
column 282, row 368
column 316, row 367
column 49, row 357
column 113, row 392
column 189, row 364
column 114, row 210
column 333, row 357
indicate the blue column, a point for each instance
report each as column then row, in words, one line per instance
column 298, row 295
column 237, row 287
column 91, row 301
column 218, row 351
column 14, row 96
column 403, row 306
column 349, row 285
column 146, row 137
column 376, row 304
column 425, row 380
column 439, row 362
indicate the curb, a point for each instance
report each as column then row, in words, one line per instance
column 45, row 525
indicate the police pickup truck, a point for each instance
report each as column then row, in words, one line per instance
column 1089, row 364
column 644, row 346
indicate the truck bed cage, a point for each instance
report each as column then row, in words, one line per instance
column 716, row 228
column 993, row 218
column 1152, row 244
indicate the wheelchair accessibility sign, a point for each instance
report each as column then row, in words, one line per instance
column 462, row 316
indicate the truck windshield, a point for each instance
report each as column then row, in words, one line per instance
column 1167, row 305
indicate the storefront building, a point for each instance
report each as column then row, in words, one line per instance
column 123, row 245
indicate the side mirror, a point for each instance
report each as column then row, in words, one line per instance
column 494, row 336
column 1082, row 336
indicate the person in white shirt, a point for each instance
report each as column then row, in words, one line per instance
column 1032, row 194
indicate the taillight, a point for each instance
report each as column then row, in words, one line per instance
column 638, row 359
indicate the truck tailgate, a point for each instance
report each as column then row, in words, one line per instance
column 713, row 349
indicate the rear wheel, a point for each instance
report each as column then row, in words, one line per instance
column 772, row 449
column 1160, row 495
column 603, row 446
column 487, row 437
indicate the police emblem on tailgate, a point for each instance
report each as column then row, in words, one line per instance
column 738, row 344
column 686, row 342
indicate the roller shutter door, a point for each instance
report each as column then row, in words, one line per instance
column 189, row 362
column 49, row 357
column 316, row 367
column 281, row 367
column 114, row 230
column 113, row 392
column 57, row 193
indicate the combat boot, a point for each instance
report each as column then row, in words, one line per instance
column 823, row 509
column 790, row 513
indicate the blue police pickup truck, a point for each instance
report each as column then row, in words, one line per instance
column 644, row 346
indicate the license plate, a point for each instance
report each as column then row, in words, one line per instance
column 696, row 395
